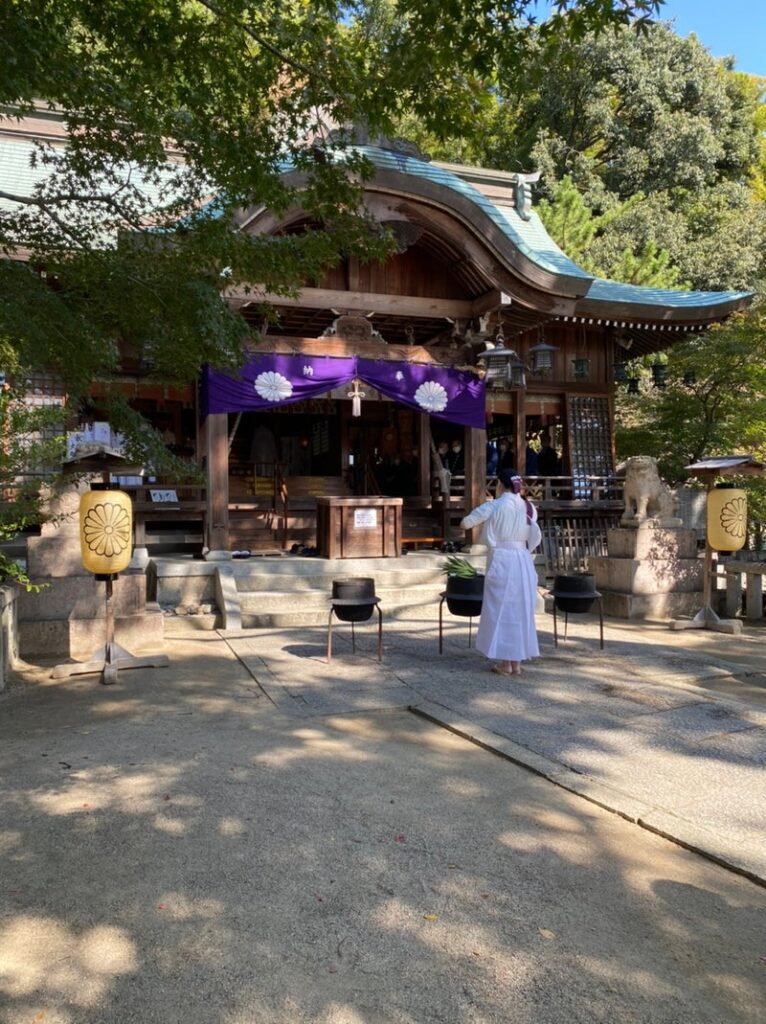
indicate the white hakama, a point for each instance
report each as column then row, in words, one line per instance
column 507, row 625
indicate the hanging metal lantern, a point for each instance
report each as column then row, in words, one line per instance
column 690, row 379
column 106, row 531
column 620, row 372
column 542, row 356
column 632, row 385
column 503, row 367
column 581, row 368
column 658, row 374
column 726, row 518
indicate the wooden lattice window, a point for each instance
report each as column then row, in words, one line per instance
column 590, row 441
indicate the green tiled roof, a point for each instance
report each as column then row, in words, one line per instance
column 16, row 172
column 531, row 238
column 603, row 290
column 527, row 236
column 20, row 177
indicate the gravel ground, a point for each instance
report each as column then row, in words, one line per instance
column 175, row 849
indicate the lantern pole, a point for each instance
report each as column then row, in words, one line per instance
column 707, row 617
column 106, row 550
column 730, row 465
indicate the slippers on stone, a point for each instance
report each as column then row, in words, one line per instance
column 501, row 671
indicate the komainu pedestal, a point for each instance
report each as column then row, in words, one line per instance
column 649, row 572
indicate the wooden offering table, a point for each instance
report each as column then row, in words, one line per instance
column 359, row 527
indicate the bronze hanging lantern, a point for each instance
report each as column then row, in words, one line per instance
column 542, row 356
column 503, row 368
column 581, row 368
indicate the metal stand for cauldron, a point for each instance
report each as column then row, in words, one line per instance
column 597, row 597
column 461, row 597
column 361, row 601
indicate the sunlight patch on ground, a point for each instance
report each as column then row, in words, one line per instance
column 10, row 840
column 105, row 788
column 186, row 908
column 231, row 827
column 41, row 956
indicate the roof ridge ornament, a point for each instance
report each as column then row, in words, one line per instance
column 358, row 134
column 523, row 194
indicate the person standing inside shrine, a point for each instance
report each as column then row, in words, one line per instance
column 548, row 462
column 507, row 629
column 504, row 455
column 456, row 459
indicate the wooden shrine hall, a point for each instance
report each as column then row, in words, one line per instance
column 382, row 381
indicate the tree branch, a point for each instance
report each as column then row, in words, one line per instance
column 273, row 50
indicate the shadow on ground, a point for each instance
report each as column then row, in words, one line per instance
column 175, row 849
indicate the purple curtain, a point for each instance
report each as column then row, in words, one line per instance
column 266, row 381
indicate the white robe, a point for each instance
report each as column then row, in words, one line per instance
column 507, row 625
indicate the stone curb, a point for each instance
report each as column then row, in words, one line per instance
column 653, row 819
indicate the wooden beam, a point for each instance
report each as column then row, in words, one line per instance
column 358, row 302
column 367, row 349
column 490, row 302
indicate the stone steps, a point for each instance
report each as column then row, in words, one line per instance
column 294, row 590
column 268, row 583
column 278, row 608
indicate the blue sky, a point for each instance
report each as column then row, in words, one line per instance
column 735, row 27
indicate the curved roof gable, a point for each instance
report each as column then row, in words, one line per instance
column 595, row 296
column 528, row 236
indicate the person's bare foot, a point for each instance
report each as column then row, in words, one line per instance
column 516, row 668
column 503, row 668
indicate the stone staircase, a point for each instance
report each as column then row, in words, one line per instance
column 291, row 590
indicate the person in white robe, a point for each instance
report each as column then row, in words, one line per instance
column 507, row 626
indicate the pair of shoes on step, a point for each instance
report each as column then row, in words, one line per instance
column 244, row 553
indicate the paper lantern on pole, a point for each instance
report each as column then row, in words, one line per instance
column 726, row 518
column 106, row 531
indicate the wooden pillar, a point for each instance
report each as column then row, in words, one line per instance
column 475, row 471
column 424, row 455
column 217, row 450
column 520, row 430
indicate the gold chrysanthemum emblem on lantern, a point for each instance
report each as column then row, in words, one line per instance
column 106, row 527
column 727, row 518
column 734, row 517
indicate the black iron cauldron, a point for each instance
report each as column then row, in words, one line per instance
column 465, row 595
column 574, row 592
column 353, row 598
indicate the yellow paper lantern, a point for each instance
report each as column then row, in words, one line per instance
column 726, row 518
column 106, row 531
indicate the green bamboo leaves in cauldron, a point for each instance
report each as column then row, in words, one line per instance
column 458, row 567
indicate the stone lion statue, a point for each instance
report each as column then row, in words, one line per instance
column 646, row 496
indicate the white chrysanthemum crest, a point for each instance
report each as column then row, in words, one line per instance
column 273, row 387
column 431, row 396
